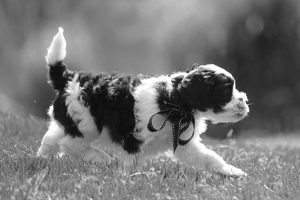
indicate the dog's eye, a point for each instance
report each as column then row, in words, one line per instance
column 228, row 86
column 225, row 93
column 228, row 82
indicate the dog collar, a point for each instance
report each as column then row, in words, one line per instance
column 180, row 120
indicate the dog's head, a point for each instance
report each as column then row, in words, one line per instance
column 212, row 90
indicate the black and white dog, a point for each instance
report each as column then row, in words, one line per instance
column 139, row 115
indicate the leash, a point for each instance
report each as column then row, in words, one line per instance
column 180, row 120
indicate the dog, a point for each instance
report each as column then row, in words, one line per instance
column 139, row 115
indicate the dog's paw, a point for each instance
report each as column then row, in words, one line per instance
column 230, row 170
column 47, row 151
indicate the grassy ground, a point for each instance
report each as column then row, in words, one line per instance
column 273, row 172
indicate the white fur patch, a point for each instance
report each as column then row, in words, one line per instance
column 145, row 106
column 49, row 145
column 216, row 69
column 79, row 113
column 50, row 112
column 57, row 49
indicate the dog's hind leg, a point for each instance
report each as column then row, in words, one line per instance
column 56, row 142
column 50, row 142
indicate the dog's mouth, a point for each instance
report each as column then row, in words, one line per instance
column 240, row 115
column 242, row 109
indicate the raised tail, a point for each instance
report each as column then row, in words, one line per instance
column 58, row 73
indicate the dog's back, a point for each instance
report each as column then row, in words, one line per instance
column 105, row 99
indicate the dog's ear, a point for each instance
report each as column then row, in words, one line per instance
column 194, row 89
column 204, row 89
column 221, row 92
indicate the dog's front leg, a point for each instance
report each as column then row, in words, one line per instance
column 197, row 155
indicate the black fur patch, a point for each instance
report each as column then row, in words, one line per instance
column 59, row 76
column 60, row 114
column 111, row 104
column 221, row 92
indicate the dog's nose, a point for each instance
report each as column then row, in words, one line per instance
column 240, row 99
column 242, row 105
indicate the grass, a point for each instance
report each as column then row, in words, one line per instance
column 273, row 172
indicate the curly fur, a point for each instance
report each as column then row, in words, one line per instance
column 115, row 110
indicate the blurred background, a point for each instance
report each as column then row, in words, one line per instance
column 258, row 41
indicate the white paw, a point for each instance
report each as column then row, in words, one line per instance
column 46, row 151
column 230, row 170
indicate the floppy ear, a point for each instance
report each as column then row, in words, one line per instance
column 194, row 89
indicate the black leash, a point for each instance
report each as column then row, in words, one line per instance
column 180, row 120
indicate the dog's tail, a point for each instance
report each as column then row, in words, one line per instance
column 58, row 73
